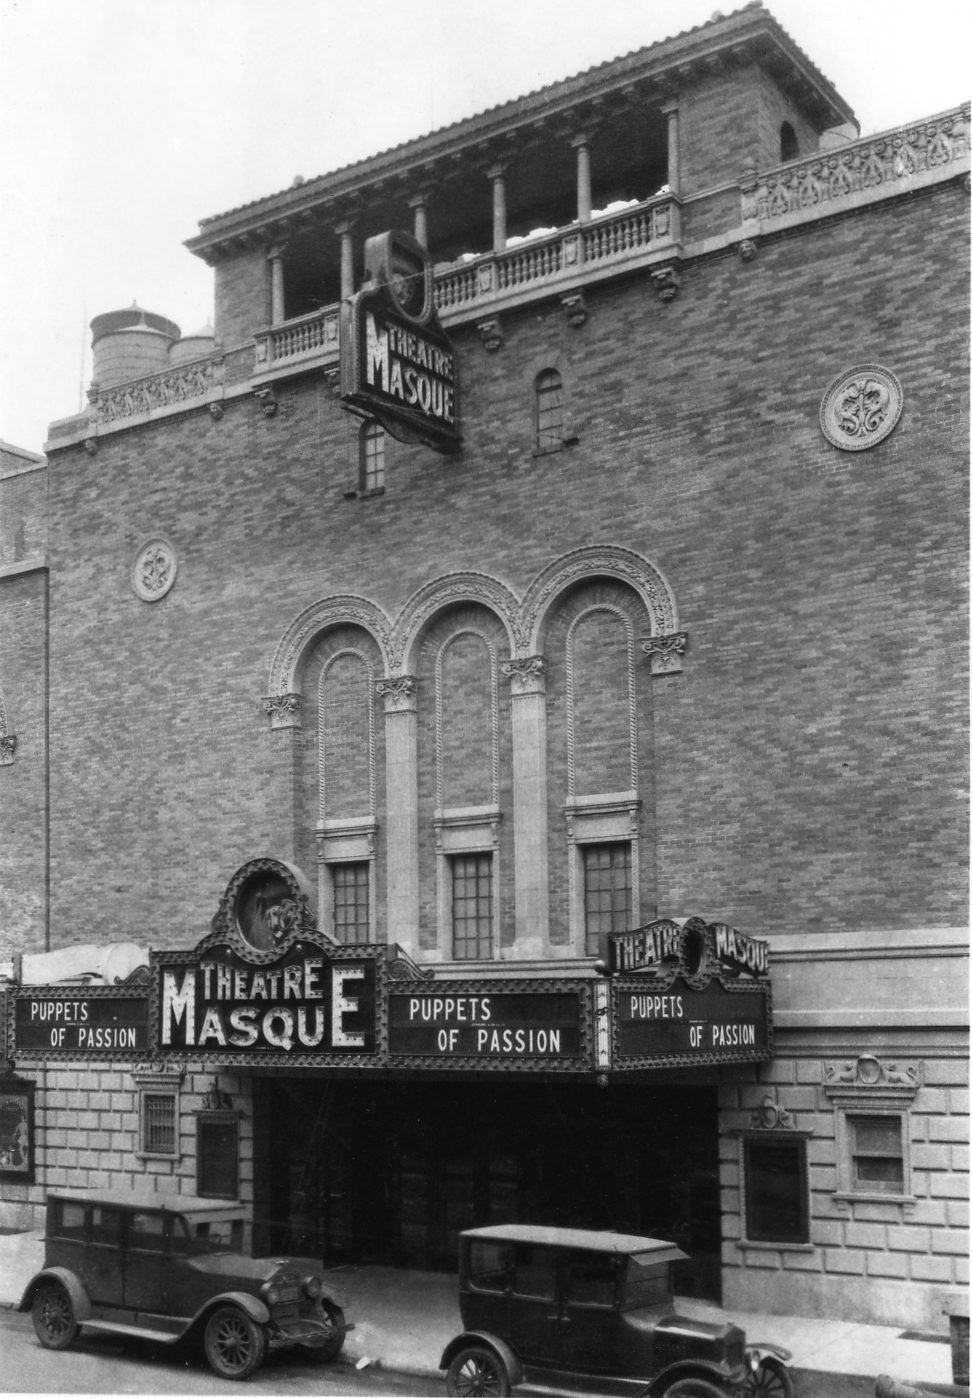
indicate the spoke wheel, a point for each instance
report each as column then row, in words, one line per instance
column 694, row 1388
column 477, row 1373
column 53, row 1316
column 771, row 1380
column 333, row 1344
column 235, row 1346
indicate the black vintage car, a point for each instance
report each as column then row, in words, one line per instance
column 163, row 1267
column 598, row 1305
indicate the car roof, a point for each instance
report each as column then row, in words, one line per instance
column 140, row 1197
column 589, row 1239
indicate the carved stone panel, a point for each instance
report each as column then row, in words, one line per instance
column 154, row 570
column 861, row 407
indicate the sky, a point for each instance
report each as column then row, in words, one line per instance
column 124, row 122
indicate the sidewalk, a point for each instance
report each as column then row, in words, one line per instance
column 404, row 1320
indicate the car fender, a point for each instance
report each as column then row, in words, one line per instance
column 493, row 1342
column 71, row 1284
column 769, row 1351
column 252, row 1305
column 688, row 1369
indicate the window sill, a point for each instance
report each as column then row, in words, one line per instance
column 750, row 1245
column 548, row 451
column 369, row 494
column 860, row 1197
column 157, row 1155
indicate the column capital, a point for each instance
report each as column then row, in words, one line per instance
column 420, row 200
column 581, row 138
column 665, row 652
column 527, row 674
column 345, row 225
column 497, row 170
column 400, row 693
column 669, row 106
column 284, row 710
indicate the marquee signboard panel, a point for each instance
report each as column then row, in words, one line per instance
column 95, row 1022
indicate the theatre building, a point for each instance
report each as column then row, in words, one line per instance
column 482, row 725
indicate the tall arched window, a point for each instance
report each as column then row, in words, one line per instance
column 789, row 145
column 550, row 411
column 371, row 458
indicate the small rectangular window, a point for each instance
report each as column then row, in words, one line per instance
column 776, row 1191
column 591, row 1279
column 145, row 1231
column 472, row 907
column 607, row 892
column 488, row 1264
column 351, row 907
column 535, row 1273
column 877, row 1157
column 550, row 411
column 106, row 1225
column 159, row 1123
column 372, row 446
column 217, row 1157
column 68, row 1220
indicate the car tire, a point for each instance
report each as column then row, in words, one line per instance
column 693, row 1388
column 477, row 1372
column 772, row 1380
column 333, row 1344
column 234, row 1344
column 53, row 1316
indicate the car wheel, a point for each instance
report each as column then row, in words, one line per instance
column 477, row 1373
column 235, row 1346
column 333, row 1344
column 771, row 1380
column 53, row 1316
column 694, row 1388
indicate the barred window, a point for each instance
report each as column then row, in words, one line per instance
column 550, row 411
column 351, row 909
column 877, row 1156
column 472, row 906
column 372, row 458
column 607, row 892
column 159, row 1123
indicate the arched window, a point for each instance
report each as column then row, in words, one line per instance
column 371, row 458
column 789, row 145
column 550, row 411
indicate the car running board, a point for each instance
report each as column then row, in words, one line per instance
column 116, row 1327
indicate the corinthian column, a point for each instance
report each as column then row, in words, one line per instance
column 531, row 886
column 401, row 809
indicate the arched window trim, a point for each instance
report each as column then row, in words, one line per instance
column 789, row 143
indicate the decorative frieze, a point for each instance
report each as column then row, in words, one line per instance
column 665, row 652
column 861, row 407
column 871, row 1076
column 284, row 710
column 171, row 388
column 526, row 674
column 154, row 570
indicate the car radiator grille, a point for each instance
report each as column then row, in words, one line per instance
column 734, row 1353
column 287, row 1308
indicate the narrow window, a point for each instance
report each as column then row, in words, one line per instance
column 351, row 909
column 217, row 1157
column 372, row 458
column 472, row 907
column 159, row 1123
column 607, row 892
column 550, row 411
column 776, row 1191
column 789, row 145
column 877, row 1158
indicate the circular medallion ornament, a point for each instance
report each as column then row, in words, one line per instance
column 154, row 570
column 861, row 407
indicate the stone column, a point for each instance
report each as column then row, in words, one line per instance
column 277, row 307
column 670, row 110
column 582, row 144
column 419, row 204
column 531, row 882
column 497, row 173
column 344, row 231
column 401, row 809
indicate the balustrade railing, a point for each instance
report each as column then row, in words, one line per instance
column 304, row 337
column 888, row 161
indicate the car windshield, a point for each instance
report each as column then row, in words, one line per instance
column 646, row 1281
column 207, row 1235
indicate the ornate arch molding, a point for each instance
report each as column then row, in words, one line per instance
column 664, row 643
column 283, row 701
column 8, row 740
column 453, row 589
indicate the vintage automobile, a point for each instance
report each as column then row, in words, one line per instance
column 597, row 1307
column 167, row 1267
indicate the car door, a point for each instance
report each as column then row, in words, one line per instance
column 146, row 1262
column 589, row 1317
column 486, row 1279
column 534, row 1317
column 103, row 1263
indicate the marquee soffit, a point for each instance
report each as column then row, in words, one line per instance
column 523, row 619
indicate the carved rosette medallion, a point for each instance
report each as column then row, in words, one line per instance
column 284, row 710
column 154, row 570
column 770, row 1116
column 665, row 652
column 399, row 693
column 527, row 674
column 861, row 407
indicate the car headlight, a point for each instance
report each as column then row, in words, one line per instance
column 312, row 1287
column 270, row 1293
column 753, row 1360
